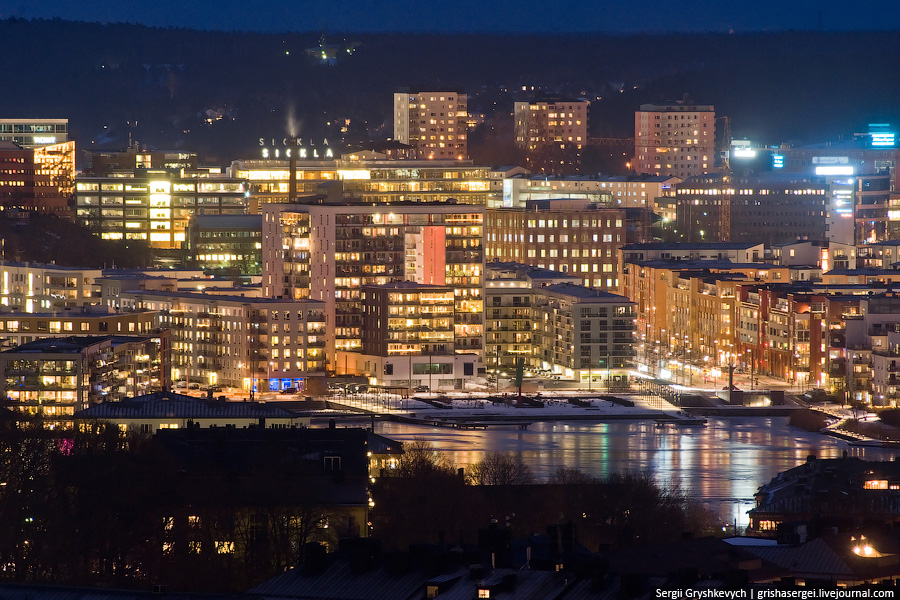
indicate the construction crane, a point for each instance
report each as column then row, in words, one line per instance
column 725, row 207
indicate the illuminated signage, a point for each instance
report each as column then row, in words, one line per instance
column 742, row 149
column 284, row 147
column 831, row 160
column 777, row 161
column 834, row 170
column 40, row 139
column 881, row 136
column 884, row 140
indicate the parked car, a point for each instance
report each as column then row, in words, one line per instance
column 289, row 390
column 181, row 384
column 422, row 388
column 193, row 386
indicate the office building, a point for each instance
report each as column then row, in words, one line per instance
column 38, row 179
column 435, row 123
column 31, row 133
column 674, row 139
column 633, row 191
column 577, row 237
column 772, row 208
column 226, row 243
column 364, row 180
column 154, row 205
column 104, row 163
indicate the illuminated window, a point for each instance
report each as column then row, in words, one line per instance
column 224, row 547
column 876, row 484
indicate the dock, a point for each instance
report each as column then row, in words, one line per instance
column 479, row 422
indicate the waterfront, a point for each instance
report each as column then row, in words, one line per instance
column 721, row 465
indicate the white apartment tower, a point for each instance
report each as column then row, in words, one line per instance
column 433, row 122
column 674, row 139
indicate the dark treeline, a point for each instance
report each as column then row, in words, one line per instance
column 46, row 238
column 101, row 508
column 426, row 500
column 158, row 84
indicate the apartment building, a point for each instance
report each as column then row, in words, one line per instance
column 551, row 325
column 434, row 123
column 329, row 252
column 677, row 139
column 552, row 132
column 256, row 344
column 576, row 237
column 36, row 287
column 55, row 377
column 508, row 312
column 409, row 338
column 584, row 334
column 18, row 328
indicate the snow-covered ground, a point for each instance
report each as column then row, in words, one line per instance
column 554, row 407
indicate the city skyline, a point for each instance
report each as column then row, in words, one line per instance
column 655, row 16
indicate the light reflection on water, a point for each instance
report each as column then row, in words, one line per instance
column 722, row 464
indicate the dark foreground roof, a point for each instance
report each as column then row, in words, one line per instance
column 179, row 406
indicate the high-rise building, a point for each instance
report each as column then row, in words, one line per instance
column 674, row 139
column 328, row 252
column 432, row 122
column 552, row 133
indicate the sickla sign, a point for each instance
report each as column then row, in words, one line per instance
column 304, row 148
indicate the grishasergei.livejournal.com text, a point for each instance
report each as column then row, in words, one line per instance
column 773, row 593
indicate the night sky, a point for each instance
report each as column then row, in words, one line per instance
column 617, row 16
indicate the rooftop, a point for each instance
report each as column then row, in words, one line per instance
column 71, row 344
column 697, row 246
column 586, row 293
column 227, row 221
column 179, row 406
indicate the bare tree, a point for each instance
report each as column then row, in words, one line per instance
column 420, row 459
column 564, row 476
column 499, row 468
